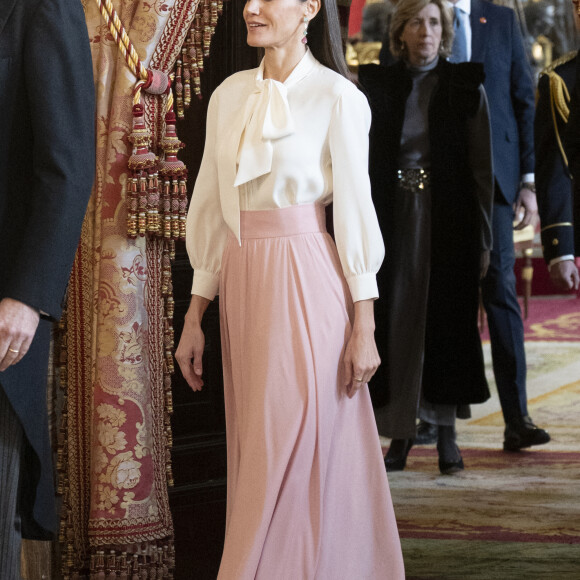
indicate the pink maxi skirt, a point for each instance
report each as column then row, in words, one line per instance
column 308, row 497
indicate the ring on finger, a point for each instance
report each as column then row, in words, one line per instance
column 13, row 350
column 358, row 380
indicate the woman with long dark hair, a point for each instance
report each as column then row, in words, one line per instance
column 308, row 496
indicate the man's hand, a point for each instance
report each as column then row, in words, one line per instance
column 18, row 324
column 526, row 206
column 564, row 275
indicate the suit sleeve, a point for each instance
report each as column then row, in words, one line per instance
column 522, row 95
column 572, row 135
column 60, row 95
column 554, row 186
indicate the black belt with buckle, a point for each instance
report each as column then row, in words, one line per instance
column 413, row 180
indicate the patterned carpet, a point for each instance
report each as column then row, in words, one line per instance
column 555, row 318
column 508, row 515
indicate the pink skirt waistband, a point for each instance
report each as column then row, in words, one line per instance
column 282, row 222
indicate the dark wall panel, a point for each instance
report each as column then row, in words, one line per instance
column 199, row 450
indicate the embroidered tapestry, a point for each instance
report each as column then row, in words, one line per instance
column 114, row 459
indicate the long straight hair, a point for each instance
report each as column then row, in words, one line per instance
column 324, row 38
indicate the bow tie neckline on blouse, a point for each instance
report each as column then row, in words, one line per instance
column 267, row 117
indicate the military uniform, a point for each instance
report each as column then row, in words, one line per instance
column 553, row 179
column 572, row 148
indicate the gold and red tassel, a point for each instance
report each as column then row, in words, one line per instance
column 179, row 88
column 195, row 49
column 186, row 78
column 192, row 59
column 151, row 560
column 173, row 176
column 142, row 182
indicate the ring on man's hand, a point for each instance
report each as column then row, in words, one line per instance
column 358, row 380
column 14, row 351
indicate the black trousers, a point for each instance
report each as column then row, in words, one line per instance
column 11, row 447
column 506, row 329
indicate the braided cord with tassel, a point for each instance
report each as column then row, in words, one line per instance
column 122, row 39
column 559, row 100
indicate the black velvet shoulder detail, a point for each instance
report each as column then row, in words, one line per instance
column 371, row 79
column 465, row 78
column 379, row 82
column 468, row 74
column 370, row 75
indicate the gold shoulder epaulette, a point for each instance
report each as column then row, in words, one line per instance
column 559, row 98
column 559, row 95
column 560, row 61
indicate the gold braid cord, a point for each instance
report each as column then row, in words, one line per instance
column 559, row 103
column 559, row 97
column 122, row 39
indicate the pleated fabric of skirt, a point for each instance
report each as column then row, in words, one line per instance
column 308, row 497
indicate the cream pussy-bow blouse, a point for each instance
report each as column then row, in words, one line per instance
column 273, row 145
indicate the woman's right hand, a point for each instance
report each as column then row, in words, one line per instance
column 189, row 354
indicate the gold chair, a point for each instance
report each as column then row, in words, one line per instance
column 362, row 53
column 523, row 243
column 524, row 246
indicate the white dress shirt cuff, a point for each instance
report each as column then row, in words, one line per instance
column 528, row 178
column 560, row 259
column 205, row 284
column 363, row 287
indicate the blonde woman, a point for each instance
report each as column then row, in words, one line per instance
column 432, row 184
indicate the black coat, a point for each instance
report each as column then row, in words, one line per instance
column 47, row 158
column 453, row 363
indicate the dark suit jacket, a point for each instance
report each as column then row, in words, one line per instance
column 497, row 43
column 553, row 181
column 47, row 161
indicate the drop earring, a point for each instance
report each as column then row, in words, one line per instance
column 304, row 38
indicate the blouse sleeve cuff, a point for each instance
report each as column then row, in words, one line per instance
column 363, row 287
column 205, row 284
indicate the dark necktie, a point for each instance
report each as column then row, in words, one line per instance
column 459, row 50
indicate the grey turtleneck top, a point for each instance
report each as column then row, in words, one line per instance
column 415, row 151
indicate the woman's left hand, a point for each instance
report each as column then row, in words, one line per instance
column 361, row 357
